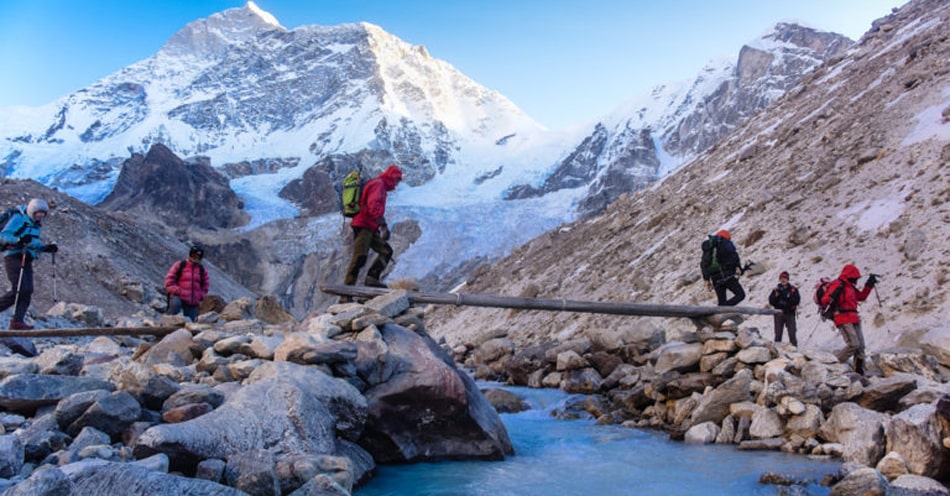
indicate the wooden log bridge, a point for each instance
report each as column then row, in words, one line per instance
column 606, row 307
column 89, row 331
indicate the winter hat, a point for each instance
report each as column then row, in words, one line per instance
column 36, row 205
column 724, row 234
column 196, row 249
column 783, row 275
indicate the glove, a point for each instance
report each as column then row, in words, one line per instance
column 25, row 240
column 871, row 281
column 51, row 248
column 384, row 232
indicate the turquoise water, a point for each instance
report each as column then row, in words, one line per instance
column 576, row 457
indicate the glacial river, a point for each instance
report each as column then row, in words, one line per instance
column 576, row 457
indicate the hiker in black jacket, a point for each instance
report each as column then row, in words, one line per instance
column 726, row 276
column 785, row 297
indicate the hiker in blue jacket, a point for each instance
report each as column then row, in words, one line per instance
column 726, row 277
column 21, row 241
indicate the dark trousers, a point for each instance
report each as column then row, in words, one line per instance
column 730, row 284
column 365, row 240
column 786, row 320
column 175, row 305
column 12, row 264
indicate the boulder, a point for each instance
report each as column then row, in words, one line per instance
column 26, row 392
column 863, row 482
column 276, row 413
column 680, row 357
column 428, row 409
column 915, row 435
column 884, row 395
column 129, row 478
column 859, row 430
column 714, row 406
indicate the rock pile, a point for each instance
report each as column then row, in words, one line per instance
column 243, row 401
column 726, row 384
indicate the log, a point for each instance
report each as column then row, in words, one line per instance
column 605, row 307
column 89, row 331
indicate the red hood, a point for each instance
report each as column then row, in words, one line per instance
column 850, row 272
column 391, row 177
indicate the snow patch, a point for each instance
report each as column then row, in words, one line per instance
column 872, row 215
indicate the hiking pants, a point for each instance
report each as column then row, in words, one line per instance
column 365, row 240
column 731, row 284
column 853, row 345
column 786, row 320
column 12, row 264
column 175, row 305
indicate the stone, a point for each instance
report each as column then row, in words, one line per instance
column 863, row 481
column 239, row 309
column 884, row 395
column 765, row 424
column 704, row 433
column 26, row 392
column 110, row 414
column 892, row 465
column 11, row 455
column 714, row 405
column 860, row 430
column 252, row 472
column 269, row 310
column 915, row 434
column 678, row 356
column 389, row 304
column 424, row 375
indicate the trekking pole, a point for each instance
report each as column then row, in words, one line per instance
column 19, row 282
column 54, row 277
column 879, row 304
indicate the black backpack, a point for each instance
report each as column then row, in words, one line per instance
column 709, row 263
column 827, row 312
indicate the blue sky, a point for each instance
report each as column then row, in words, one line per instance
column 561, row 61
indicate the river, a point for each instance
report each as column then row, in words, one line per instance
column 577, row 457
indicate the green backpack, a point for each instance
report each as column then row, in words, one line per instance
column 352, row 188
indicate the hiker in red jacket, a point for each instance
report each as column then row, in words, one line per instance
column 370, row 230
column 187, row 284
column 844, row 295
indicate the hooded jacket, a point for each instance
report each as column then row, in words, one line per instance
column 846, row 311
column 19, row 225
column 373, row 199
column 192, row 286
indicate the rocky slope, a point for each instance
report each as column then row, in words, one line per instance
column 849, row 166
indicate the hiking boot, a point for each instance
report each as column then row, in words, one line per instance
column 374, row 283
column 20, row 326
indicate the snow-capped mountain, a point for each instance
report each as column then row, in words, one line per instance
column 239, row 87
column 284, row 114
column 652, row 135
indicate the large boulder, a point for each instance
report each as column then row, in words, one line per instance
column 427, row 409
column 129, row 478
column 859, row 430
column 276, row 411
column 915, row 435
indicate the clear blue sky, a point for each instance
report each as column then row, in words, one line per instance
column 561, row 61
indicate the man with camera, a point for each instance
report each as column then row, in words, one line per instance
column 844, row 295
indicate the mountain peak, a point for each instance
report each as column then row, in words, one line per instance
column 218, row 32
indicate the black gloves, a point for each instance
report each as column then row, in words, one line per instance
column 23, row 241
column 51, row 248
column 384, row 232
column 872, row 280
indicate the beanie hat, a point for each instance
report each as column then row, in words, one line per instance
column 783, row 275
column 36, row 205
column 724, row 234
